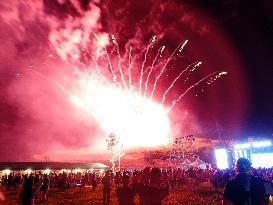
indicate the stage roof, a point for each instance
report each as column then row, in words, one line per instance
column 50, row 165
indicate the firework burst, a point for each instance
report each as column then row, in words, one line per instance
column 114, row 90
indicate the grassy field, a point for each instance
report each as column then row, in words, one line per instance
column 204, row 194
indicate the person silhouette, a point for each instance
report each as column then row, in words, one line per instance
column 245, row 188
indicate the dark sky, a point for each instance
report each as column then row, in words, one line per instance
column 250, row 25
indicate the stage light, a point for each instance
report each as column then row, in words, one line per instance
column 245, row 154
column 7, row 171
column 221, row 158
column 76, row 171
column 47, row 171
column 242, row 146
column 254, row 144
column 240, row 153
column 262, row 160
column 28, row 171
column 261, row 144
column 236, row 154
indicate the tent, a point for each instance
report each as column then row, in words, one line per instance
column 50, row 165
column 186, row 164
column 198, row 163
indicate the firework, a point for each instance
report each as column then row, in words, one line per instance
column 110, row 93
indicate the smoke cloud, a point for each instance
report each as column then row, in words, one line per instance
column 37, row 118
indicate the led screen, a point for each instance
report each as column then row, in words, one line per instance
column 262, row 160
column 221, row 158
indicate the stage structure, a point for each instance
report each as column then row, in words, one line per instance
column 253, row 150
column 182, row 144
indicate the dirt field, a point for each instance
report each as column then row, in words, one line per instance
column 204, row 194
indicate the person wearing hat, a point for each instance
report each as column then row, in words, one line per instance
column 245, row 188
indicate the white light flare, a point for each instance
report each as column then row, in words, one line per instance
column 264, row 160
column 221, row 158
column 135, row 120
column 28, row 171
column 46, row 171
column 7, row 171
column 262, row 144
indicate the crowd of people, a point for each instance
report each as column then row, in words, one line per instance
column 151, row 185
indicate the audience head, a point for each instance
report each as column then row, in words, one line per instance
column 243, row 165
column 155, row 175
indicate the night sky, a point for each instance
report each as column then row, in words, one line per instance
column 229, row 35
column 249, row 24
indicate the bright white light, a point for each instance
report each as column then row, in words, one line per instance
column 236, row 155
column 262, row 160
column 46, row 171
column 240, row 153
column 245, row 154
column 221, row 158
column 28, row 171
column 242, row 146
column 7, row 171
column 254, row 144
column 136, row 120
column 262, row 144
column 76, row 170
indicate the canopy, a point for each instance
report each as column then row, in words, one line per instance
column 50, row 165
column 198, row 163
column 186, row 164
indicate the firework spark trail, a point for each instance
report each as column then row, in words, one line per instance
column 72, row 97
column 194, row 85
column 180, row 74
column 101, row 75
column 159, row 53
column 77, row 71
column 82, row 75
column 54, row 70
column 110, row 65
column 130, row 67
column 143, row 63
column 183, row 45
column 97, row 67
column 56, row 83
column 80, row 103
column 83, row 66
column 128, row 113
column 51, row 80
column 108, row 59
column 168, row 60
column 63, row 77
column 131, row 101
column 119, row 61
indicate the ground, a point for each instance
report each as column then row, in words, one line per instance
column 202, row 195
